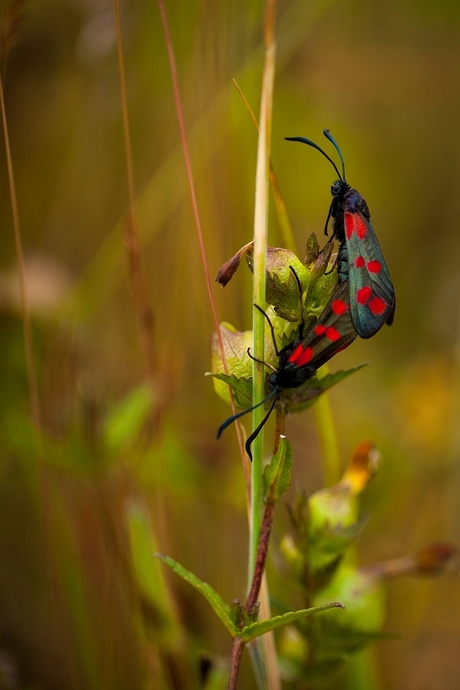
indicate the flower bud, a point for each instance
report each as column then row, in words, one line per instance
column 282, row 288
column 229, row 268
column 333, row 512
column 362, row 467
column 435, row 558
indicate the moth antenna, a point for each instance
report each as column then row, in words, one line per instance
column 234, row 417
column 302, row 322
column 257, row 431
column 329, row 214
column 260, row 361
column 309, row 142
column 329, row 136
column 272, row 331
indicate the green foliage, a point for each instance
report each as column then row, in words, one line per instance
column 282, row 290
column 278, row 473
column 123, row 423
column 235, row 618
column 152, row 586
column 324, row 528
column 254, row 630
column 363, row 597
column 303, row 397
column 223, row 611
column 333, row 525
column 111, row 476
column 291, row 399
column 241, row 388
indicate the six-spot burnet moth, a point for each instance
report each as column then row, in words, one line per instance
column 299, row 361
column 360, row 259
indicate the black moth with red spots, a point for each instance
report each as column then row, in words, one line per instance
column 299, row 361
column 333, row 331
column 360, row 259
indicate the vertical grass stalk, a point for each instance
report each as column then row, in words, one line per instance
column 137, row 273
column 196, row 215
column 27, row 327
column 260, row 250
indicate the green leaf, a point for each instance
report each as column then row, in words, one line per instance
column 293, row 399
column 298, row 399
column 278, row 473
column 282, row 290
column 155, row 594
column 124, row 421
column 241, row 387
column 239, row 364
column 328, row 544
column 320, row 292
column 210, row 594
column 250, row 632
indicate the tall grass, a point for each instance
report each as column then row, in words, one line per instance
column 131, row 469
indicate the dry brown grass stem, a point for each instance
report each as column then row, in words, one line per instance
column 131, row 230
column 183, row 136
column 10, row 23
column 27, row 327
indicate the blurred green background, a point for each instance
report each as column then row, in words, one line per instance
column 76, row 609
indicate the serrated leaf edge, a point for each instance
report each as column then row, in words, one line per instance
column 250, row 632
column 222, row 610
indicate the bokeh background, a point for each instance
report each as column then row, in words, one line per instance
column 77, row 610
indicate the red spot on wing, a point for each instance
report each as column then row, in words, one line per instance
column 305, row 357
column 361, row 227
column 339, row 306
column 363, row 294
column 332, row 334
column 377, row 305
column 374, row 266
column 349, row 220
column 354, row 223
column 297, row 352
column 320, row 329
column 359, row 262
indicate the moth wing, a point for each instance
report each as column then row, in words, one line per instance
column 333, row 331
column 372, row 295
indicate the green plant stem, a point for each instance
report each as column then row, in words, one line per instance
column 260, row 249
column 251, row 602
column 287, row 236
